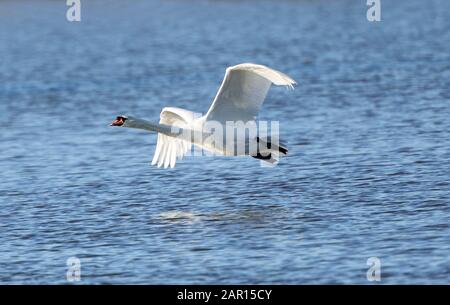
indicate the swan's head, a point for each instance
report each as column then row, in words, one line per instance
column 120, row 121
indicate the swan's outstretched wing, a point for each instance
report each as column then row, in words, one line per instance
column 168, row 149
column 243, row 91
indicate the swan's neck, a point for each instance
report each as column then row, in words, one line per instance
column 146, row 125
column 185, row 134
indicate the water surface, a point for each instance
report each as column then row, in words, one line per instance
column 368, row 130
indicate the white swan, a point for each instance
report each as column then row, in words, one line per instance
column 239, row 98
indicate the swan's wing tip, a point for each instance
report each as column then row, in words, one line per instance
column 276, row 77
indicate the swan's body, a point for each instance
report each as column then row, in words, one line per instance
column 239, row 98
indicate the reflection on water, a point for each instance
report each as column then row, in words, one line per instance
column 368, row 131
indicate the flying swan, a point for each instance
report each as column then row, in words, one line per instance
column 239, row 99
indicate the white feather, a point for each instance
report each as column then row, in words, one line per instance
column 243, row 91
column 168, row 149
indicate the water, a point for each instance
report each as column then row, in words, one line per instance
column 368, row 130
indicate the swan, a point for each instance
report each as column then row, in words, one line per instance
column 239, row 99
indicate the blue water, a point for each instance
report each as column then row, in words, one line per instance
column 368, row 128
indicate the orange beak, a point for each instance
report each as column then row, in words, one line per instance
column 118, row 122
